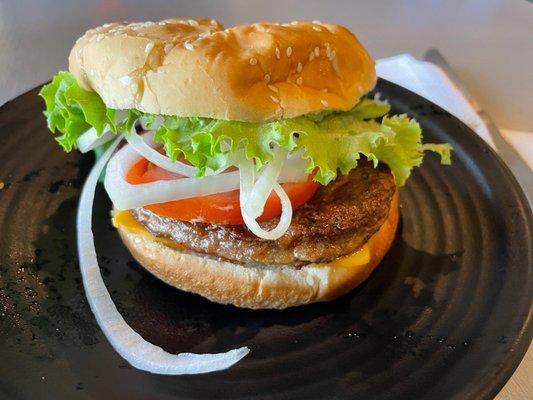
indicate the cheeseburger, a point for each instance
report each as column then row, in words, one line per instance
column 255, row 171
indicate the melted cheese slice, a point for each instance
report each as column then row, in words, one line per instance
column 356, row 259
column 126, row 221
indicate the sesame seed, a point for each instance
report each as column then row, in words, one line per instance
column 168, row 47
column 99, row 37
column 266, row 78
column 289, row 51
column 299, row 67
column 192, row 22
column 274, row 99
column 273, row 88
column 316, row 28
column 278, row 53
column 317, row 51
column 299, row 81
column 106, row 25
column 328, row 52
column 311, row 56
column 188, row 45
column 149, row 47
column 294, row 23
column 213, row 22
column 332, row 55
column 253, row 61
column 285, row 25
column 161, row 23
column 316, row 22
column 324, row 103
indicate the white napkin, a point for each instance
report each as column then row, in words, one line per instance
column 429, row 81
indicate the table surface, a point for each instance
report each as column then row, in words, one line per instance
column 488, row 42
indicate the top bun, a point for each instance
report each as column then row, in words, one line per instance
column 195, row 67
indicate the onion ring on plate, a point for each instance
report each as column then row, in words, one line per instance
column 128, row 343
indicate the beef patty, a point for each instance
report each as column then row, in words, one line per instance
column 338, row 219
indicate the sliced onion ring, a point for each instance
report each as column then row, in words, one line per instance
column 147, row 151
column 145, row 146
column 125, row 196
column 284, row 220
column 128, row 343
column 255, row 203
column 246, row 169
column 90, row 140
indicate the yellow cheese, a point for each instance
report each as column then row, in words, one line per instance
column 126, row 221
column 356, row 259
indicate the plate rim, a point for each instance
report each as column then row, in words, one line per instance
column 525, row 337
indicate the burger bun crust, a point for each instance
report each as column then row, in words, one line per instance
column 196, row 68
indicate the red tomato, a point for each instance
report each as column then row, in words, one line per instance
column 220, row 208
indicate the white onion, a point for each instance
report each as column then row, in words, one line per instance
column 284, row 220
column 125, row 196
column 145, row 146
column 147, row 151
column 255, row 203
column 246, row 175
column 246, row 169
column 89, row 140
column 128, row 343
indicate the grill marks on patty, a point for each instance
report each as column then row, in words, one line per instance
column 338, row 220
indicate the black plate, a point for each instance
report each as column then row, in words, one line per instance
column 447, row 314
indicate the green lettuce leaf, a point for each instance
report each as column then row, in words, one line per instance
column 330, row 141
column 72, row 110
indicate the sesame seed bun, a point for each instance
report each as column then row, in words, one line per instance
column 195, row 67
column 259, row 286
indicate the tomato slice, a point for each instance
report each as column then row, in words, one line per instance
column 220, row 208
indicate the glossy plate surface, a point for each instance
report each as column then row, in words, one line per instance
column 447, row 314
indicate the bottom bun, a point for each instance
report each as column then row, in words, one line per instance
column 260, row 286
